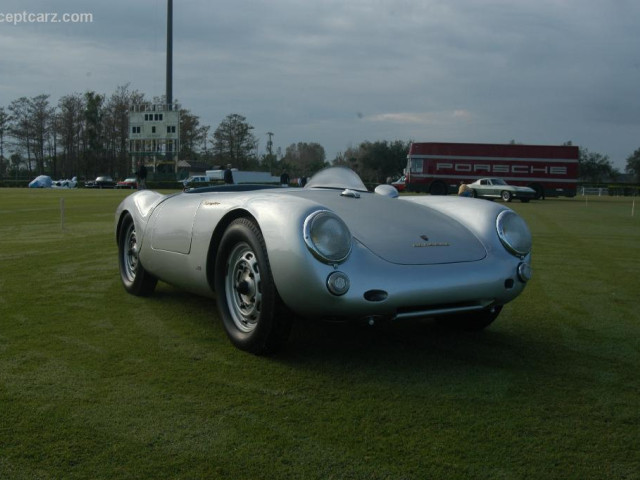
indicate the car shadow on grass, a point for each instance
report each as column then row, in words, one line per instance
column 412, row 345
column 418, row 345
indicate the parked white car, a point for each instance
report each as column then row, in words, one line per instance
column 492, row 188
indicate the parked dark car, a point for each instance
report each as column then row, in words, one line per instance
column 104, row 181
column 195, row 181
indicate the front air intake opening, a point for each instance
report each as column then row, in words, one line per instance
column 375, row 295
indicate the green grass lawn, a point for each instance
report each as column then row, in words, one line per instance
column 95, row 383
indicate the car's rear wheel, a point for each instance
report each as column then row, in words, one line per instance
column 248, row 302
column 506, row 195
column 135, row 278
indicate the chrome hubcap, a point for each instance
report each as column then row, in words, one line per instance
column 243, row 288
column 130, row 253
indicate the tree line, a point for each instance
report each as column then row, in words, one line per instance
column 597, row 168
column 375, row 162
column 81, row 135
column 87, row 134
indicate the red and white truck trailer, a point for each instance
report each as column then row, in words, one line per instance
column 439, row 168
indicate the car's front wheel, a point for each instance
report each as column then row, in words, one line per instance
column 248, row 302
column 135, row 278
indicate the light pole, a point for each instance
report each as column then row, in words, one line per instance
column 169, row 91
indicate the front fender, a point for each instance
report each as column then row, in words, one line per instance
column 478, row 216
column 281, row 224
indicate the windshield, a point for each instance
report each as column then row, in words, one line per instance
column 337, row 177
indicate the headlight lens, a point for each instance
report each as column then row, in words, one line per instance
column 327, row 236
column 514, row 233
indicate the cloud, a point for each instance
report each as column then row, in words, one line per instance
column 428, row 118
column 491, row 70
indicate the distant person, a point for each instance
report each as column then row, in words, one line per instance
column 141, row 176
column 464, row 190
column 284, row 179
column 303, row 181
column 228, row 175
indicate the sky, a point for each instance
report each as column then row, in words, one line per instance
column 341, row 72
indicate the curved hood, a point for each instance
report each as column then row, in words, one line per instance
column 403, row 232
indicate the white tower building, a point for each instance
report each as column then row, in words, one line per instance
column 154, row 135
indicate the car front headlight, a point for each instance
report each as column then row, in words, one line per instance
column 327, row 236
column 514, row 233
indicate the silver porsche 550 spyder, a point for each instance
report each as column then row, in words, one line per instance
column 329, row 250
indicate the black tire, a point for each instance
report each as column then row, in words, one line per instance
column 539, row 191
column 474, row 194
column 505, row 195
column 249, row 305
column 472, row 321
column 438, row 188
column 136, row 280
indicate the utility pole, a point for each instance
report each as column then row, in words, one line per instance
column 270, row 158
column 270, row 144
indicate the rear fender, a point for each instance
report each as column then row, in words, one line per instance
column 140, row 206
